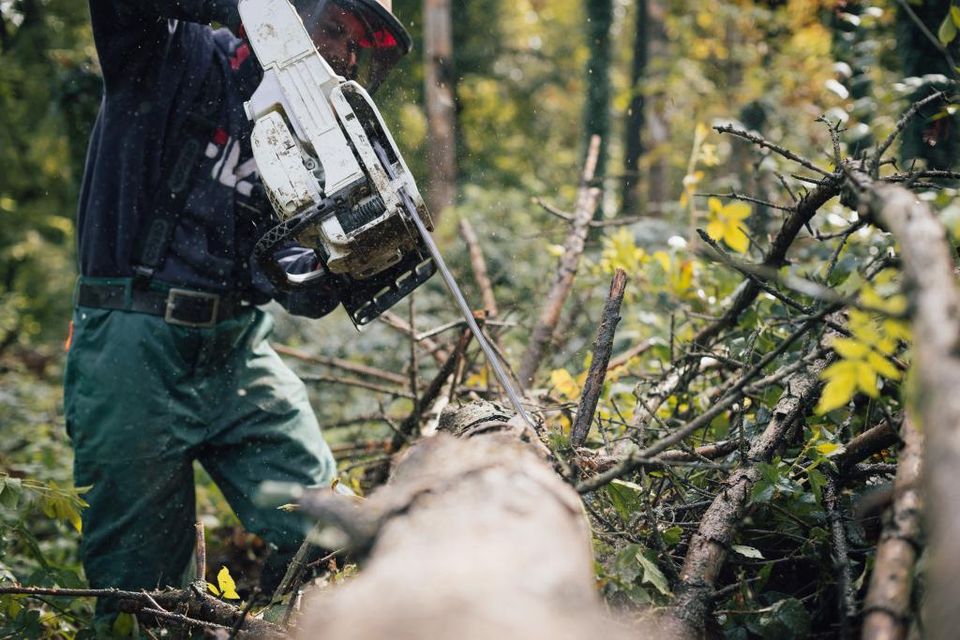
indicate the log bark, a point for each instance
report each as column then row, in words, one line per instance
column 587, row 198
column 887, row 606
column 474, row 537
column 930, row 284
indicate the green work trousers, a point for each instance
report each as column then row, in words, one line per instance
column 144, row 399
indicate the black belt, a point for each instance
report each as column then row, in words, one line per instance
column 177, row 306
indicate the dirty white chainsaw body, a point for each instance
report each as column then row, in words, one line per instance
column 336, row 178
column 331, row 169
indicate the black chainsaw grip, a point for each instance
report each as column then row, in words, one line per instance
column 263, row 251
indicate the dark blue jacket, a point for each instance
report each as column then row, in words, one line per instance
column 155, row 56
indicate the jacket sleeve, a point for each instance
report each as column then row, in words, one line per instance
column 128, row 33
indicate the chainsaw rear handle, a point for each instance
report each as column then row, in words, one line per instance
column 265, row 249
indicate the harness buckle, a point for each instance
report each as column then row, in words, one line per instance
column 189, row 304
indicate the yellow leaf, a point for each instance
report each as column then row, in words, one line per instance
column 565, row 384
column 867, row 379
column 737, row 211
column 212, row 589
column 883, row 366
column 828, row 448
column 724, row 223
column 897, row 329
column 228, row 587
column 715, row 230
column 896, row 305
column 708, row 155
column 850, row 349
column 736, row 239
column 841, row 384
column 863, row 328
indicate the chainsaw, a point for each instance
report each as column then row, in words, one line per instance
column 336, row 179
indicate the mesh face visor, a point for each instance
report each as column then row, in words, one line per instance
column 360, row 39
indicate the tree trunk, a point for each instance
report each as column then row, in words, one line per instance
column 633, row 136
column 475, row 537
column 658, row 127
column 596, row 117
column 440, row 86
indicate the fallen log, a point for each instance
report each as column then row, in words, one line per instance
column 887, row 608
column 934, row 303
column 475, row 536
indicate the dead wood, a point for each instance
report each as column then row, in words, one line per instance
column 930, row 284
column 708, row 547
column 474, row 537
column 887, row 605
column 872, row 441
column 340, row 363
column 438, row 352
column 602, row 347
column 479, row 265
column 587, row 198
column 188, row 607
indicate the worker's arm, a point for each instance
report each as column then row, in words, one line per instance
column 132, row 35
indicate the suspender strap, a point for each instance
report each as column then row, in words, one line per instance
column 177, row 178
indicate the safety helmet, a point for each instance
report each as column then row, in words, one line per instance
column 361, row 39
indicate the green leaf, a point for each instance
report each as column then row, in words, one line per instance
column 747, row 552
column 948, row 30
column 625, row 497
column 955, row 15
column 124, row 625
column 10, row 494
column 671, row 536
column 652, row 574
column 787, row 619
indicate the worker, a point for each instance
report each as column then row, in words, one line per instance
column 169, row 361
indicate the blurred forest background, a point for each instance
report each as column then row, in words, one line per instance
column 519, row 87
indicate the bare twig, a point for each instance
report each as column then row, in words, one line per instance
column 901, row 124
column 871, row 441
column 739, row 196
column 201, row 553
column 763, row 142
column 353, row 382
column 479, row 264
column 733, row 395
column 587, row 199
column 339, row 363
column 436, row 351
column 846, row 598
column 602, row 347
column 410, row 425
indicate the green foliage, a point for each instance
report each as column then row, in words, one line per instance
column 48, row 97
